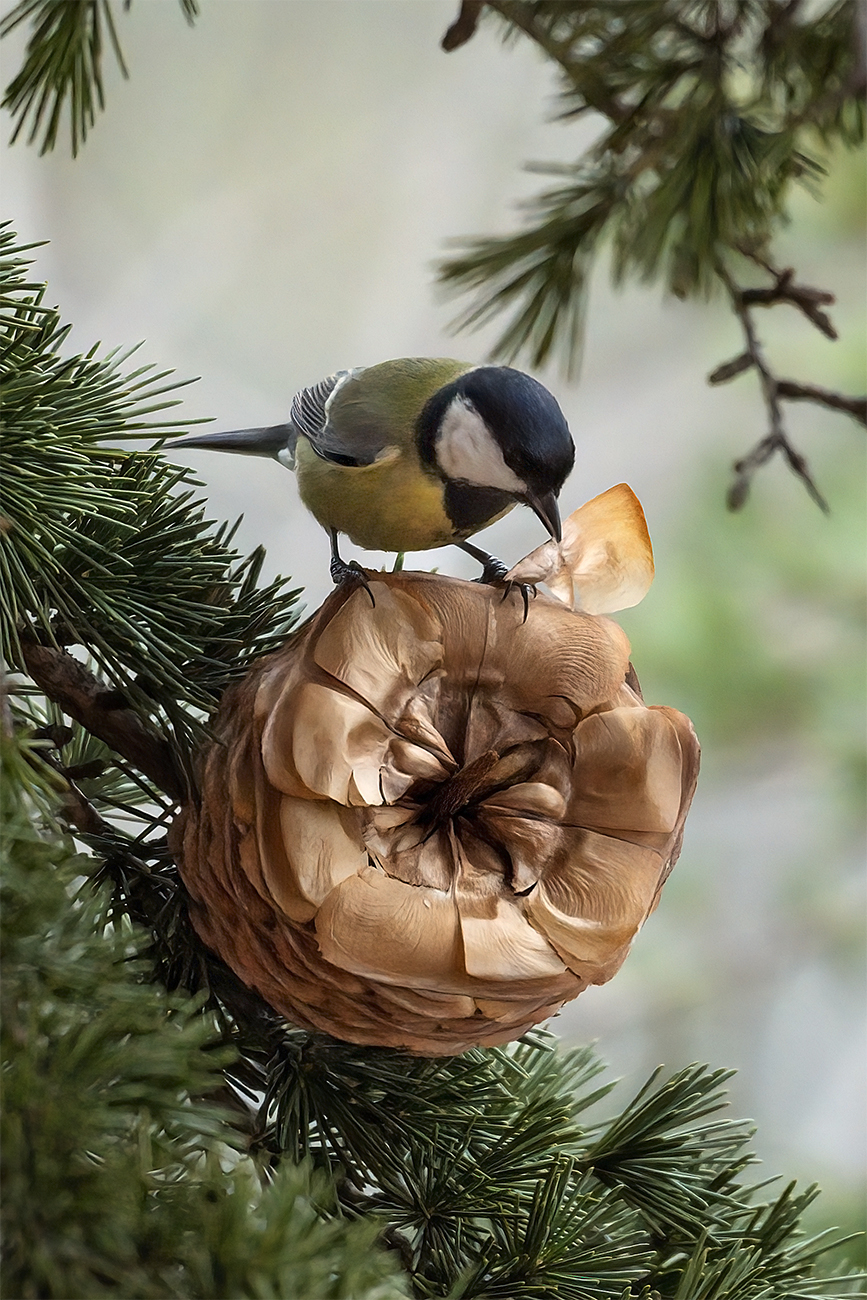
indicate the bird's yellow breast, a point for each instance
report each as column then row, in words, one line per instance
column 392, row 505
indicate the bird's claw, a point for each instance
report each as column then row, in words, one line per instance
column 494, row 575
column 527, row 589
column 343, row 571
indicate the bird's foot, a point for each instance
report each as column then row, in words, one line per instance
column 493, row 571
column 494, row 575
column 344, row 571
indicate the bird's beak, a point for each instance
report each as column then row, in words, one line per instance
column 250, row 442
column 548, row 511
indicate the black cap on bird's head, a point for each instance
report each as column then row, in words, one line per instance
column 496, row 427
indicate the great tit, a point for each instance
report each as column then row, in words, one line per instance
column 417, row 453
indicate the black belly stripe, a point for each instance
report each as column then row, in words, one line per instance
column 469, row 507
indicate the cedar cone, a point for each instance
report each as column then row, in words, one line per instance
column 426, row 823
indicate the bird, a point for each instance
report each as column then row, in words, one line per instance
column 416, row 453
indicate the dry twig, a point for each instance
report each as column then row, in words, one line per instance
column 774, row 390
column 802, row 296
column 795, row 392
column 464, row 26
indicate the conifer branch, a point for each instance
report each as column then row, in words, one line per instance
column 581, row 73
column 63, row 65
column 79, row 812
column 481, row 1167
column 708, row 115
column 105, row 713
column 115, row 1146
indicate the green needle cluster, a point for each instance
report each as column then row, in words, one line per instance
column 63, row 66
column 106, row 547
column 707, row 111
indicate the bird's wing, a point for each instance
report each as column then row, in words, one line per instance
column 308, row 412
column 358, row 417
column 350, row 442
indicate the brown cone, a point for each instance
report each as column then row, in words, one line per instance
column 426, row 823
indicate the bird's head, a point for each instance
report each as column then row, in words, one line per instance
column 495, row 427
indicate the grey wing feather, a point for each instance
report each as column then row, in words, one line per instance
column 357, row 441
column 308, row 412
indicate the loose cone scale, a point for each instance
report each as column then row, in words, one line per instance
column 426, row 823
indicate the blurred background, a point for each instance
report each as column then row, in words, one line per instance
column 263, row 203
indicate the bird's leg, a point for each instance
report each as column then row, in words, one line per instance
column 346, row 571
column 493, row 570
column 494, row 574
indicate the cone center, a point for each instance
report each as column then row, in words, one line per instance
column 459, row 790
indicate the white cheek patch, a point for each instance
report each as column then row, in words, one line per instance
column 466, row 451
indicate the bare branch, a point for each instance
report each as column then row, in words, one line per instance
column 802, row 296
column 464, row 26
column 730, row 369
column 777, row 439
column 794, row 392
column 104, row 713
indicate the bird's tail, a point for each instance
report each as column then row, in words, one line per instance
column 277, row 440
